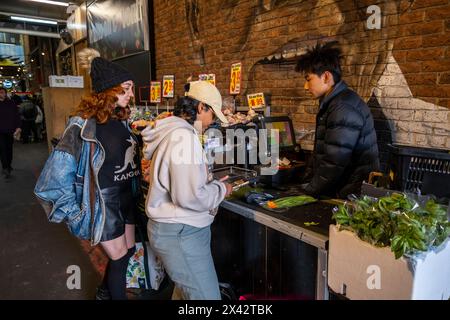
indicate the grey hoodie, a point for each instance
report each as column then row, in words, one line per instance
column 181, row 187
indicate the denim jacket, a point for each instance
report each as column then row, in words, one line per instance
column 63, row 188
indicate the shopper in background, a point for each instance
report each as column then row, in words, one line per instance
column 183, row 197
column 9, row 126
column 16, row 98
column 29, row 113
column 91, row 180
column 345, row 146
column 39, row 122
column 41, row 128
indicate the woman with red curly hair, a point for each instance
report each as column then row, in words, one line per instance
column 91, row 179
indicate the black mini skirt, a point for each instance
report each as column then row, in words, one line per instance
column 120, row 210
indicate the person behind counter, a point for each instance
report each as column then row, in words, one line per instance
column 183, row 198
column 345, row 146
column 91, row 179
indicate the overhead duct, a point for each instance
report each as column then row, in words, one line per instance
column 31, row 33
column 28, row 27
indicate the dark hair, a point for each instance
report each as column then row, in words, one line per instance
column 321, row 58
column 4, row 89
column 186, row 108
column 16, row 98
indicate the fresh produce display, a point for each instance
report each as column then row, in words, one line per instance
column 145, row 164
column 235, row 118
column 397, row 221
column 141, row 123
column 163, row 115
column 289, row 202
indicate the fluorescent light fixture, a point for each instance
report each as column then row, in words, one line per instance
column 34, row 20
column 56, row 3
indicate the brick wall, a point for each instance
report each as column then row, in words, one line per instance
column 401, row 69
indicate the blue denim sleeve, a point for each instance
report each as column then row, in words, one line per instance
column 56, row 187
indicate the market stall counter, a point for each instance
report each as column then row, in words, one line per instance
column 273, row 255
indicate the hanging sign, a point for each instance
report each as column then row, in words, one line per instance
column 256, row 100
column 211, row 78
column 118, row 28
column 235, row 81
column 155, row 92
column 168, row 86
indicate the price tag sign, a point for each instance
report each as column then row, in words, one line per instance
column 168, row 86
column 211, row 78
column 155, row 92
column 235, row 81
column 256, row 100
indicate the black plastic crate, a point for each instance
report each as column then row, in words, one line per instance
column 423, row 170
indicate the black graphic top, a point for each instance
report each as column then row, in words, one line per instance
column 121, row 161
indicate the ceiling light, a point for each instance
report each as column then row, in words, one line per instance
column 43, row 53
column 34, row 20
column 56, row 3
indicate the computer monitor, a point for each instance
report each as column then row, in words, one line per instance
column 285, row 129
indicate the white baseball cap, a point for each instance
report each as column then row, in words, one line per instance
column 207, row 93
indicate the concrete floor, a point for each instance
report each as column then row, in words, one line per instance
column 34, row 254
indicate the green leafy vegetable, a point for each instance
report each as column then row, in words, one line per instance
column 289, row 202
column 308, row 224
column 396, row 221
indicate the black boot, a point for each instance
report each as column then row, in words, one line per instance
column 7, row 173
column 102, row 294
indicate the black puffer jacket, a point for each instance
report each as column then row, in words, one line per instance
column 345, row 148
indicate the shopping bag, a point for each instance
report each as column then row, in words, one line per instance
column 145, row 270
column 17, row 135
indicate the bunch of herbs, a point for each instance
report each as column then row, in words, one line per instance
column 397, row 221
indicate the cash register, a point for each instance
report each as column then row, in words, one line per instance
column 291, row 163
column 290, row 158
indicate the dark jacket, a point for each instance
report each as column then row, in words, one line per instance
column 28, row 110
column 345, row 147
column 9, row 116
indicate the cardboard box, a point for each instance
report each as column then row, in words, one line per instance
column 362, row 271
column 59, row 104
column 75, row 82
column 58, row 81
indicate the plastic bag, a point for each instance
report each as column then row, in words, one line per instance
column 17, row 135
column 136, row 275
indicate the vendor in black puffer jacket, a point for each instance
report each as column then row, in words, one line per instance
column 345, row 146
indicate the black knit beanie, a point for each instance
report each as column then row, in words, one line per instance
column 106, row 74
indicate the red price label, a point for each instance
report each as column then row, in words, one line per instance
column 256, row 100
column 211, row 78
column 155, row 92
column 168, row 86
column 235, row 80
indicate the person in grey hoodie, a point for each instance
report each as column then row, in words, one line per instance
column 183, row 197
